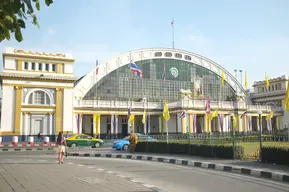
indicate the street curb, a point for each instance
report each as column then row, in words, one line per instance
column 26, row 149
column 206, row 165
column 28, row 145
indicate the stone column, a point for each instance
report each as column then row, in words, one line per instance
column 191, row 124
column 149, row 124
column 51, row 131
column 112, row 125
column 184, row 124
column 160, row 123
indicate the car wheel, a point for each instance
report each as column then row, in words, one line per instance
column 73, row 145
column 97, row 144
column 125, row 147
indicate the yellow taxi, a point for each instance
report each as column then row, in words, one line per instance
column 83, row 140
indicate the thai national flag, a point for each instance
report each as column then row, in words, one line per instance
column 134, row 68
column 182, row 115
column 164, row 74
column 172, row 23
column 96, row 67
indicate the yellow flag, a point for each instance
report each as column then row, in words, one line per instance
column 267, row 82
column 208, row 123
column 286, row 102
column 214, row 114
column 270, row 116
column 246, row 80
column 223, row 78
column 166, row 113
column 96, row 119
column 131, row 119
column 144, row 117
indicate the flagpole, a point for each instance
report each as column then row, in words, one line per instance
column 95, row 83
column 173, row 34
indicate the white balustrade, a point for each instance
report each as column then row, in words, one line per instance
column 184, row 103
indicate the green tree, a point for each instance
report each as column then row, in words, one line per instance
column 14, row 14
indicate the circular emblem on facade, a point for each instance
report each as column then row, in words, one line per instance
column 174, row 72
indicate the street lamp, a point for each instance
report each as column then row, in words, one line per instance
column 260, row 133
column 232, row 134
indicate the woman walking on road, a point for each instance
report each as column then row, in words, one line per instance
column 61, row 143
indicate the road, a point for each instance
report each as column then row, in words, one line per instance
column 35, row 172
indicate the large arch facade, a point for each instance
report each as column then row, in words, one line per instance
column 182, row 70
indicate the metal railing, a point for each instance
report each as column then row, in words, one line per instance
column 228, row 105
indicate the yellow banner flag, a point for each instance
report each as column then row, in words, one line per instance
column 214, row 114
column 96, row 120
column 131, row 119
column 166, row 113
column 270, row 116
column 267, row 82
column 286, row 101
column 246, row 80
column 144, row 117
column 208, row 123
column 223, row 78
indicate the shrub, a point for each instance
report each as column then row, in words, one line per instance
column 277, row 155
column 219, row 151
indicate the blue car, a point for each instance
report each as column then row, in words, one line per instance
column 123, row 144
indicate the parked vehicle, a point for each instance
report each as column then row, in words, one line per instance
column 123, row 144
column 83, row 140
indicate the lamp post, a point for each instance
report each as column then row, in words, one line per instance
column 260, row 133
column 232, row 134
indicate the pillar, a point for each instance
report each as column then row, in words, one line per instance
column 51, row 131
column 160, row 123
column 148, row 124
column 258, row 124
column 207, row 124
column 26, row 124
column 245, row 124
column 17, row 114
column 59, row 110
column 145, row 125
column 114, row 124
column 184, row 124
column 191, row 124
column 241, row 124
column 112, row 127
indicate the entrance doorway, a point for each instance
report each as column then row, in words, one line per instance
column 124, row 130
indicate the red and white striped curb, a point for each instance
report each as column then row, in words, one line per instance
column 28, row 145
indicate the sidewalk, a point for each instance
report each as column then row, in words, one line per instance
column 241, row 163
column 46, row 176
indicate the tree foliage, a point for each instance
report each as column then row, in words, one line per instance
column 14, row 14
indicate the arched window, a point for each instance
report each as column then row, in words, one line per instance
column 39, row 98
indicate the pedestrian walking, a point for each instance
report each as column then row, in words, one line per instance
column 61, row 147
column 132, row 141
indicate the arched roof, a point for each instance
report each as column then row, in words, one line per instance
column 89, row 80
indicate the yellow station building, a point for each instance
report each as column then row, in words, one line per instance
column 41, row 95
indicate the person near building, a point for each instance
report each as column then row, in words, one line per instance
column 132, row 141
column 61, row 147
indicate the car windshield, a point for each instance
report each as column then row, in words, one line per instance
column 126, row 138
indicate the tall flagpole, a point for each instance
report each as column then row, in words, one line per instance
column 173, row 34
column 95, row 84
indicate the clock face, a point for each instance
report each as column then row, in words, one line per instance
column 174, row 72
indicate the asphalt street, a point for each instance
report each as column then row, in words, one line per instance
column 28, row 171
